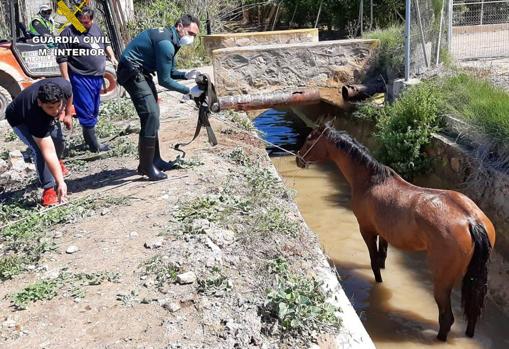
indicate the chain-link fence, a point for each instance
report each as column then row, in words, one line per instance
column 480, row 29
column 429, row 34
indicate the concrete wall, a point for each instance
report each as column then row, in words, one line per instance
column 217, row 41
column 257, row 69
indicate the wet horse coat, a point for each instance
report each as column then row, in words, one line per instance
column 456, row 235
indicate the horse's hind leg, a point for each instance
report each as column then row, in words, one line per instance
column 445, row 315
column 370, row 240
column 382, row 252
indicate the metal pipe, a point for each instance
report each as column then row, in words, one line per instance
column 361, row 91
column 269, row 100
column 408, row 18
column 437, row 61
column 423, row 41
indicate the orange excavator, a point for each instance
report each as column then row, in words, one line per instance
column 21, row 61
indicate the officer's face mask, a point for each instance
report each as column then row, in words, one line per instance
column 186, row 40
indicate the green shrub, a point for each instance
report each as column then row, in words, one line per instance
column 405, row 128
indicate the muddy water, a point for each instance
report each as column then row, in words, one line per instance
column 401, row 311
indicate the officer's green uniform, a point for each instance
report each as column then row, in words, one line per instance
column 41, row 26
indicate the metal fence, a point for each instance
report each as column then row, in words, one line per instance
column 428, row 34
column 480, row 29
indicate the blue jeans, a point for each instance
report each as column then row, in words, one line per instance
column 45, row 177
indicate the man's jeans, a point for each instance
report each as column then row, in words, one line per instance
column 45, row 177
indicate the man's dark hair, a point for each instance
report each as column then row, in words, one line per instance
column 50, row 93
column 85, row 12
column 186, row 21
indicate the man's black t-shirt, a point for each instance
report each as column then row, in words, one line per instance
column 24, row 109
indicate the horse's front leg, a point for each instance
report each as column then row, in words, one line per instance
column 370, row 240
column 382, row 252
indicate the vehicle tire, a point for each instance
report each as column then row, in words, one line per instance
column 5, row 99
column 111, row 89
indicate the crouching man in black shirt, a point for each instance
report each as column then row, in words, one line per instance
column 34, row 116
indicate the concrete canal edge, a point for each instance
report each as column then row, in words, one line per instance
column 352, row 334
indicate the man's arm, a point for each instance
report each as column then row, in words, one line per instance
column 176, row 74
column 61, row 59
column 111, row 56
column 50, row 157
column 64, row 70
column 164, row 62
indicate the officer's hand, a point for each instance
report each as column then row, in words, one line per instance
column 196, row 92
column 192, row 74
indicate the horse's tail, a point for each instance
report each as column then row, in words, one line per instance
column 475, row 281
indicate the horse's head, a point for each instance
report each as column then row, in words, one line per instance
column 314, row 149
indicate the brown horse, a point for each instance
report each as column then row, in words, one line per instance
column 455, row 233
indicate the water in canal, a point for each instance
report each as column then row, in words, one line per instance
column 401, row 311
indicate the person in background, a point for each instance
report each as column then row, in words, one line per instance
column 42, row 24
column 85, row 72
column 149, row 52
column 34, row 116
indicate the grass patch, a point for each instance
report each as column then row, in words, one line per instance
column 297, row 303
column 391, row 59
column 275, row 221
column 481, row 104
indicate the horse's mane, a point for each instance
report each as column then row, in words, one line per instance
column 360, row 154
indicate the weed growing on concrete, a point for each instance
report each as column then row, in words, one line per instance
column 297, row 303
column 239, row 157
column 215, row 285
column 187, row 163
column 275, row 221
column 162, row 269
column 105, row 128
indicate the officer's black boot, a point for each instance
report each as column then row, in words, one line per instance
column 91, row 140
column 147, row 147
column 158, row 161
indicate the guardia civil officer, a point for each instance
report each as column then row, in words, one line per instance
column 153, row 51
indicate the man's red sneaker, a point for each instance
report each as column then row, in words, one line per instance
column 65, row 170
column 49, row 197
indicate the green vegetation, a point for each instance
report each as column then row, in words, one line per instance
column 41, row 290
column 164, row 271
column 276, row 220
column 117, row 109
column 11, row 137
column 391, row 59
column 405, row 127
column 69, row 283
column 217, row 284
column 25, row 239
column 481, row 104
column 161, row 13
column 298, row 303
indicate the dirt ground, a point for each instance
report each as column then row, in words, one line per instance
column 134, row 250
